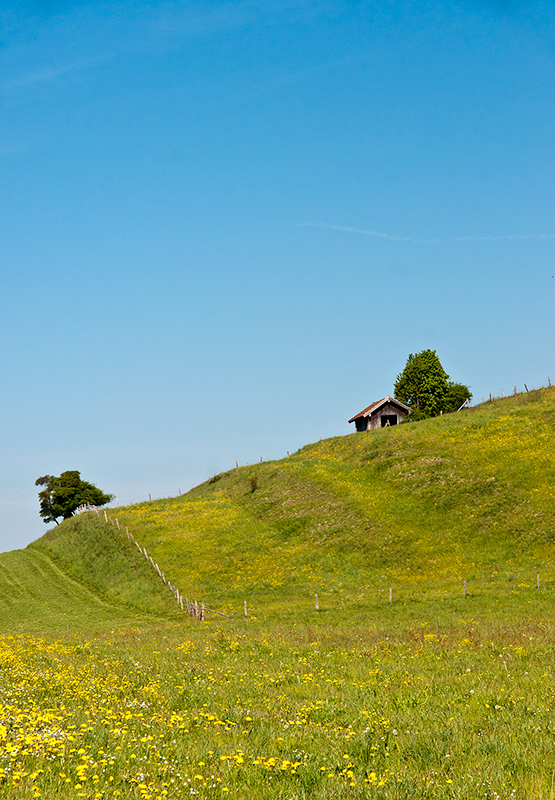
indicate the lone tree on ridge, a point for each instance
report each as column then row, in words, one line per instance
column 425, row 386
column 64, row 494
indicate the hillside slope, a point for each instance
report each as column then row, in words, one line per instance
column 80, row 574
column 419, row 507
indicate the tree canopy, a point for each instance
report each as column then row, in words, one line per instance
column 64, row 494
column 425, row 386
column 457, row 393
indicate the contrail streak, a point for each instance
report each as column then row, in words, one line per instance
column 392, row 238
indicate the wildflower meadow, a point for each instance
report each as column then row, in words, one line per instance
column 208, row 712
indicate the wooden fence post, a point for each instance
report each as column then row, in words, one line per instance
column 526, row 387
column 202, row 612
column 316, row 601
column 390, row 594
column 245, row 607
column 515, row 389
column 464, row 588
column 537, row 581
column 117, row 523
column 196, row 609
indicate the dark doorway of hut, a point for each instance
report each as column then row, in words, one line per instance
column 389, row 419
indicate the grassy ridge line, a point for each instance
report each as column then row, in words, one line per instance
column 102, row 557
column 81, row 574
column 419, row 507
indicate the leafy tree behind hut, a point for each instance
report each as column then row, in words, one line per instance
column 425, row 387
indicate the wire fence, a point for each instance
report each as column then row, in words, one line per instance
column 192, row 607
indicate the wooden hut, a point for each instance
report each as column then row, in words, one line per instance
column 381, row 414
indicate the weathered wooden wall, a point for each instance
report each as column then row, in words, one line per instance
column 386, row 411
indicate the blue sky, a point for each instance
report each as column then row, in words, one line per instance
column 225, row 225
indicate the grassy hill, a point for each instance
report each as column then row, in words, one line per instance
column 418, row 507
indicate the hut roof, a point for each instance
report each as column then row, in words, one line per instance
column 378, row 404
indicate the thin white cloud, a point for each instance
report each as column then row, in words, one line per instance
column 48, row 74
column 416, row 240
column 11, row 148
column 126, row 30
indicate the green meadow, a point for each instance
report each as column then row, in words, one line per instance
column 107, row 689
